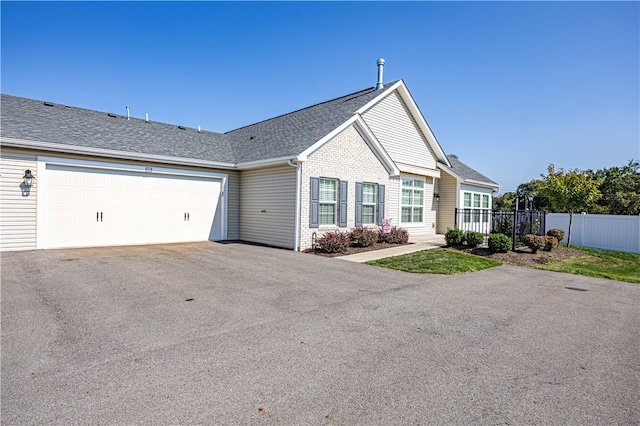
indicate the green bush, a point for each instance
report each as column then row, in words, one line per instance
column 502, row 225
column 334, row 242
column 396, row 236
column 558, row 233
column 473, row 239
column 454, row 237
column 364, row 237
column 551, row 243
column 499, row 243
column 534, row 242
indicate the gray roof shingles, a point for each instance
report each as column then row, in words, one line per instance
column 467, row 172
column 32, row 120
column 290, row 134
column 284, row 136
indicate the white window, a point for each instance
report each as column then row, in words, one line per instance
column 369, row 195
column 485, row 205
column 412, row 200
column 476, row 207
column 467, row 207
column 328, row 201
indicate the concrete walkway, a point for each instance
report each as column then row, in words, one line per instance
column 416, row 244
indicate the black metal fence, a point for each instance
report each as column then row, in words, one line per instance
column 497, row 221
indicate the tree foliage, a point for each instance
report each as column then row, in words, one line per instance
column 620, row 189
column 570, row 191
column 505, row 202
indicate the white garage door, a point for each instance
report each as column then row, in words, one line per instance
column 98, row 206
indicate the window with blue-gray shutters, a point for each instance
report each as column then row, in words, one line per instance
column 328, row 198
column 369, row 203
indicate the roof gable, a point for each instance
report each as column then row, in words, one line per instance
column 398, row 101
column 291, row 134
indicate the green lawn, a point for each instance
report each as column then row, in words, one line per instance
column 436, row 261
column 614, row 265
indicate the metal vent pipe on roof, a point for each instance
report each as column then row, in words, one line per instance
column 128, row 115
column 380, row 63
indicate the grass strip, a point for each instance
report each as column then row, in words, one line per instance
column 436, row 261
column 613, row 265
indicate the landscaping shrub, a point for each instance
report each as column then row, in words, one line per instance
column 334, row 242
column 473, row 239
column 551, row 243
column 454, row 237
column 534, row 242
column 558, row 233
column 364, row 237
column 502, row 225
column 499, row 243
column 397, row 236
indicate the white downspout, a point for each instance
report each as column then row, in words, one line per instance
column 296, row 233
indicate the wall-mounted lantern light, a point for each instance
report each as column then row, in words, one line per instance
column 28, row 178
column 436, row 196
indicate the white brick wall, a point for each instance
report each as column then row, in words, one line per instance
column 346, row 157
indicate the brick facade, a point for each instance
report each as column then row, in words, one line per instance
column 346, row 157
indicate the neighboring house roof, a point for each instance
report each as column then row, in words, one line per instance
column 466, row 174
column 45, row 125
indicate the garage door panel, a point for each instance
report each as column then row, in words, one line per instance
column 89, row 207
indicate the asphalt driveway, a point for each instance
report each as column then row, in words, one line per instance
column 209, row 333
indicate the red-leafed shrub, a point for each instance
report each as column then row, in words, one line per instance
column 334, row 242
column 534, row 242
column 558, row 233
column 364, row 237
column 551, row 243
column 396, row 236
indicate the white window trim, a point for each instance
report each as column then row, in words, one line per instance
column 479, row 215
column 374, row 204
column 424, row 200
column 334, row 203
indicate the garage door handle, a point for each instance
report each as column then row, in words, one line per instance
column 100, row 216
column 186, row 217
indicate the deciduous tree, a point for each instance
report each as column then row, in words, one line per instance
column 569, row 191
column 620, row 189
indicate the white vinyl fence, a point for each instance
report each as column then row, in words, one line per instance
column 609, row 232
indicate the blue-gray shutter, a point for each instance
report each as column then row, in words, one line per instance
column 380, row 204
column 343, row 203
column 314, row 209
column 358, row 203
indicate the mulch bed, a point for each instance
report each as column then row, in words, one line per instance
column 355, row 250
column 521, row 257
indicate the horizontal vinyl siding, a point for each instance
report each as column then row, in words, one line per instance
column 393, row 201
column 17, row 211
column 399, row 134
column 267, row 215
column 233, row 205
column 447, row 204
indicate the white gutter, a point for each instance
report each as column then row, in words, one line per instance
column 263, row 163
column 296, row 232
column 100, row 152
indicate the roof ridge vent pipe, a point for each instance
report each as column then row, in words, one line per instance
column 128, row 115
column 147, row 119
column 380, row 64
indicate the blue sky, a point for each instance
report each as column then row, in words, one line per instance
column 507, row 86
